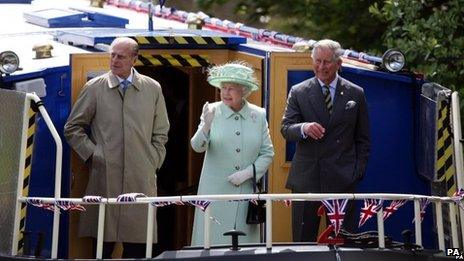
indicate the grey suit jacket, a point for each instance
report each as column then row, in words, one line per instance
column 338, row 160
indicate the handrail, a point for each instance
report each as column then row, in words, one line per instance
column 58, row 165
column 438, row 201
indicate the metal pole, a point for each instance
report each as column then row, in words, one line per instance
column 58, row 164
column 150, row 222
column 207, row 229
column 268, row 224
column 441, row 234
column 458, row 151
column 381, row 228
column 101, row 230
column 417, row 222
column 454, row 228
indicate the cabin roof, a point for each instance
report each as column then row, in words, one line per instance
column 21, row 36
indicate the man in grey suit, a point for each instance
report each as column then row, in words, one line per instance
column 327, row 118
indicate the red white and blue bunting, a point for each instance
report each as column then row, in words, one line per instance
column 40, row 204
column 458, row 196
column 335, row 208
column 371, row 207
column 336, row 212
column 392, row 208
column 129, row 197
column 67, row 205
column 92, row 199
column 201, row 204
column 424, row 202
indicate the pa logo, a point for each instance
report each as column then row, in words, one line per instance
column 456, row 252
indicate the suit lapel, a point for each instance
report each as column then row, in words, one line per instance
column 341, row 94
column 317, row 102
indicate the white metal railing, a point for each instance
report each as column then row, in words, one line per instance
column 438, row 201
column 58, row 164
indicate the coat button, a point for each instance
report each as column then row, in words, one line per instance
column 237, row 167
column 236, row 118
column 338, row 141
column 237, row 133
column 237, row 150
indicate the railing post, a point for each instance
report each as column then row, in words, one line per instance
column 381, row 228
column 101, row 229
column 268, row 223
column 207, row 224
column 417, row 222
column 454, row 228
column 150, row 222
column 441, row 235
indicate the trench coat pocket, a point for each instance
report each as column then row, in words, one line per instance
column 153, row 159
column 96, row 159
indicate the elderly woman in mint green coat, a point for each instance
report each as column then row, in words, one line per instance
column 234, row 134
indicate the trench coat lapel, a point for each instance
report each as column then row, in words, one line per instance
column 317, row 102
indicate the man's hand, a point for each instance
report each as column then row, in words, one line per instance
column 207, row 116
column 314, row 130
column 240, row 176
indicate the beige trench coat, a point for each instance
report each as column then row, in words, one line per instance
column 125, row 147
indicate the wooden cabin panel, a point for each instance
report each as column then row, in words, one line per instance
column 281, row 65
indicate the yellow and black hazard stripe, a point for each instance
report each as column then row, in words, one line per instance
column 179, row 60
column 27, row 172
column 445, row 161
column 180, row 40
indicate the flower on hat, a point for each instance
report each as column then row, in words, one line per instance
column 234, row 72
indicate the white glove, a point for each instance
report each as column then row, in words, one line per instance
column 240, row 176
column 207, row 117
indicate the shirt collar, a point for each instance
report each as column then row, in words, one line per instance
column 133, row 78
column 129, row 79
column 332, row 85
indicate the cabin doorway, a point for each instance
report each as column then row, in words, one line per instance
column 185, row 90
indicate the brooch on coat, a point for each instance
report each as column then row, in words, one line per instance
column 253, row 116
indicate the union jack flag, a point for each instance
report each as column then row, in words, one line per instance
column 424, row 202
column 336, row 212
column 39, row 203
column 458, row 196
column 371, row 206
column 201, row 204
column 459, row 193
column 394, row 206
column 92, row 199
column 129, row 197
column 66, row 205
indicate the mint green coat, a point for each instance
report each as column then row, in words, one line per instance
column 236, row 141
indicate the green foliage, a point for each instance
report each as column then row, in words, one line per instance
column 430, row 33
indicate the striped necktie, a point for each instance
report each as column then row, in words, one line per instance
column 327, row 98
column 123, row 86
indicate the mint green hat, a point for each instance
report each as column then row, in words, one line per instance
column 235, row 73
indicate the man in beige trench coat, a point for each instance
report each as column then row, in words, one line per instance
column 119, row 126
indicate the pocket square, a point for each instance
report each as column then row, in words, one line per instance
column 350, row 105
